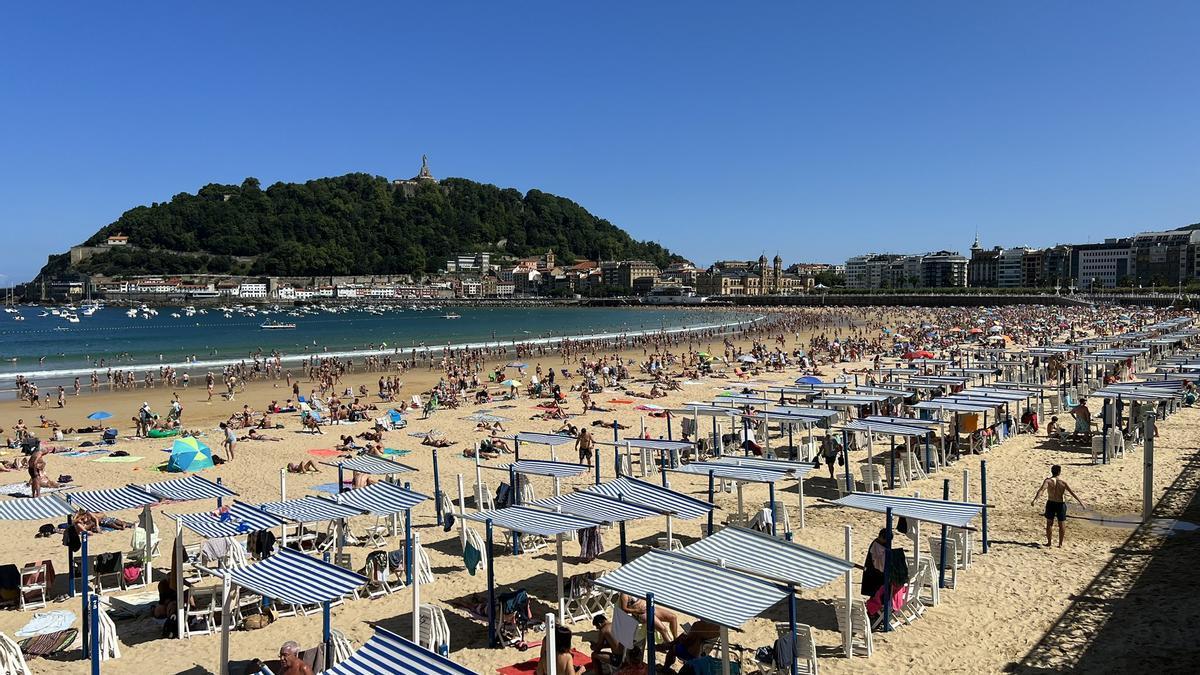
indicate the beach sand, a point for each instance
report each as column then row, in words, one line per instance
column 1001, row 608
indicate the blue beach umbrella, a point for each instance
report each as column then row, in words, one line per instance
column 99, row 415
column 809, row 379
column 510, row 383
column 189, row 454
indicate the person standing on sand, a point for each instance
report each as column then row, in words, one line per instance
column 1056, row 507
column 209, row 380
column 229, row 441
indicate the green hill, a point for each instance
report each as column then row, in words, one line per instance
column 352, row 224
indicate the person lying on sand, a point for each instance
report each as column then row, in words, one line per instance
column 483, row 452
column 303, row 467
column 609, row 425
column 490, row 427
column 86, row 521
column 253, row 435
column 436, row 442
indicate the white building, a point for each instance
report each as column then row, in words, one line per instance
column 286, row 293
column 1102, row 265
column 252, row 289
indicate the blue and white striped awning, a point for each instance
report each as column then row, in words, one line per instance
column 804, row 411
column 46, row 507
column 654, row 496
column 240, row 518
column 696, row 587
column 595, row 506
column 952, row 406
column 741, row 399
column 541, row 467
column 657, row 444
column 769, row 557
column 376, row 466
column 190, row 488
column 551, row 440
column 532, row 521
column 794, row 469
column 732, row 472
column 311, row 510
column 954, row 514
column 885, row 428
column 916, row 423
column 381, row 499
column 116, row 499
column 851, row 399
column 389, row 653
column 707, row 409
column 296, row 578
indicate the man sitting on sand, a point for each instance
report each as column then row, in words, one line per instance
column 289, row 659
column 303, row 467
column 606, row 648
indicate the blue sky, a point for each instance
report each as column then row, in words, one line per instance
column 813, row 130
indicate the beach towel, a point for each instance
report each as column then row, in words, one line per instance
column 472, row 558
column 325, row 452
column 50, row 643
column 396, row 453
column 118, row 460
column 86, row 453
column 329, row 488
column 620, row 400
column 581, row 661
column 624, row 627
column 22, row 490
column 44, row 623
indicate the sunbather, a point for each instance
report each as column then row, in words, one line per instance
column 303, row 467
column 436, row 442
column 86, row 521
column 253, row 435
column 666, row 623
column 289, row 658
column 606, row 648
column 690, row 645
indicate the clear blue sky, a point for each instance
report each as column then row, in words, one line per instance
column 815, row 130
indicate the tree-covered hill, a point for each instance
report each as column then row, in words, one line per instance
column 352, row 224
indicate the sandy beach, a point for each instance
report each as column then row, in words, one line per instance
column 995, row 619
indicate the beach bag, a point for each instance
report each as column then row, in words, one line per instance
column 256, row 621
column 132, row 573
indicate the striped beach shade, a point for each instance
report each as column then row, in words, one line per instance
column 696, row 587
column 884, row 428
column 240, row 518
column 296, row 578
column 732, row 472
column 191, row 488
column 543, row 439
column 116, row 499
column 795, row 469
column 311, row 510
column 376, row 466
column 657, row 444
column 769, row 557
column 532, row 521
column 954, row 514
column 46, row 507
column 381, row 499
column 654, row 496
column 387, row 652
column 598, row 507
column 541, row 467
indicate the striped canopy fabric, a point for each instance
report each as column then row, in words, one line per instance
column 770, row 557
column 732, row 472
column 928, row 425
column 952, row 406
column 885, row 428
column 803, row 411
column 541, row 467
column 696, row 587
column 655, row 497
column 50, row 507
column 381, row 499
column 796, row 469
column 296, row 578
column 239, row 518
column 543, row 439
column 191, row 488
column 595, row 506
column 658, row 444
column 532, row 521
column 387, row 652
column 311, row 510
column 376, row 466
column 116, row 499
column 954, row 514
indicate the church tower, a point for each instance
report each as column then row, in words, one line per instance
column 777, row 274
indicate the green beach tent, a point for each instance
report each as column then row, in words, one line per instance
column 189, row 454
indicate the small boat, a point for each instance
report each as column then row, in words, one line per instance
column 275, row 325
column 18, row 318
column 452, row 315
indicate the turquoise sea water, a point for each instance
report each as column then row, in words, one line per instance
column 51, row 350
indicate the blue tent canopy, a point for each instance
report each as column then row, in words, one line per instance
column 381, row 499
column 654, row 496
column 732, row 472
column 696, row 587
column 241, row 518
column 296, row 578
column 387, row 652
column 954, row 514
column 190, row 488
column 599, row 507
column 796, row 469
column 311, row 510
column 543, row 439
column 770, row 557
column 532, row 521
column 46, row 507
column 116, row 499
column 376, row 466
column 539, row 467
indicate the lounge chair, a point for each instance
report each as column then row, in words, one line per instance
column 783, row 523
column 872, row 478
column 845, row 484
column 433, row 631
column 201, row 616
column 860, row 626
column 110, row 568
column 12, row 661
column 33, row 586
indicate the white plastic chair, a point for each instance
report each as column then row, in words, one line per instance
column 872, row 478
column 935, row 558
column 33, row 586
column 860, row 626
column 783, row 523
column 11, row 659
column 203, row 609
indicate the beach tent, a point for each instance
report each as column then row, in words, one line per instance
column 670, row 503
column 776, row 560
column 189, row 454
column 695, row 587
column 388, row 499
column 294, row 578
column 526, row 520
column 648, row 445
column 599, row 507
column 797, row 470
column 387, row 652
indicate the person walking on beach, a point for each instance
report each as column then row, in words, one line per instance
column 585, row 445
column 1056, row 507
column 209, row 380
